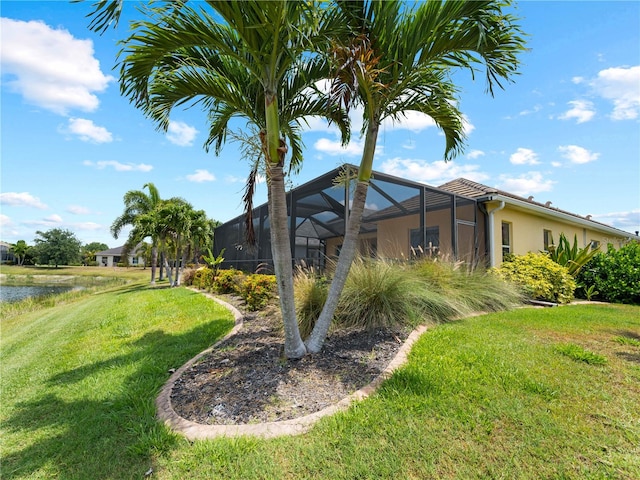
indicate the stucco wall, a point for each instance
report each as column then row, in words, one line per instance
column 527, row 232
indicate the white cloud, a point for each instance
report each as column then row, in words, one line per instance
column 473, row 154
column 234, row 179
column 119, row 167
column 577, row 80
column 23, row 199
column 576, row 154
column 525, row 184
column 54, row 218
column 535, row 109
column 524, row 156
column 5, row 221
column 582, row 111
column 435, row 173
column 411, row 120
column 556, row 164
column 629, row 221
column 179, row 133
column 621, row 86
column 78, row 210
column 88, row 131
column 91, row 226
column 335, row 148
column 51, row 68
column 201, row 176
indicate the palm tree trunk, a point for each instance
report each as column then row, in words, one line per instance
column 283, row 262
column 349, row 245
column 154, row 261
column 275, row 151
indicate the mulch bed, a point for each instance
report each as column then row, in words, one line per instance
column 246, row 379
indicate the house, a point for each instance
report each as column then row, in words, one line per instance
column 113, row 256
column 461, row 219
column 6, row 255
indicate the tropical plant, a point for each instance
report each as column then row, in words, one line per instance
column 212, row 261
column 19, row 251
column 572, row 257
column 258, row 63
column 399, row 59
column 138, row 209
column 56, row 247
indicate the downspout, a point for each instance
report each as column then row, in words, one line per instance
column 492, row 235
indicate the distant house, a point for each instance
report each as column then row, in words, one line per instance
column 113, row 256
column 6, row 256
column 461, row 220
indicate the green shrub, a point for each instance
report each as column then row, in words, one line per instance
column 257, row 289
column 539, row 277
column 228, row 281
column 614, row 275
column 203, row 278
column 310, row 293
column 572, row 257
column 379, row 293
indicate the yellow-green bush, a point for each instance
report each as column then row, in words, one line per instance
column 539, row 277
column 228, row 281
column 256, row 290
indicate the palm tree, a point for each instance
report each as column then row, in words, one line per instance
column 19, row 251
column 256, row 65
column 400, row 59
column 138, row 204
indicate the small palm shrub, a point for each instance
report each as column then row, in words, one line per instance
column 310, row 294
column 539, row 277
column 257, row 290
column 614, row 275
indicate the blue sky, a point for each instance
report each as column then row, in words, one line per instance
column 566, row 131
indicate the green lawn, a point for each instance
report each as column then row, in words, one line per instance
column 506, row 395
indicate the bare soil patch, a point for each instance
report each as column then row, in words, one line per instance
column 246, row 379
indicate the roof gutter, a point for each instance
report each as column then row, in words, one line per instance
column 546, row 211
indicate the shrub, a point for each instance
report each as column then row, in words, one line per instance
column 188, row 275
column 256, row 290
column 310, row 292
column 614, row 274
column 228, row 281
column 572, row 257
column 203, row 278
column 379, row 293
column 539, row 277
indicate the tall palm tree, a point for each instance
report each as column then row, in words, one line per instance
column 256, row 64
column 138, row 204
column 400, row 59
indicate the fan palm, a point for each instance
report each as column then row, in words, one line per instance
column 137, row 204
column 253, row 66
column 399, row 59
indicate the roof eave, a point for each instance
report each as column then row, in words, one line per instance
column 558, row 214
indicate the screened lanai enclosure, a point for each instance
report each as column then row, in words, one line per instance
column 402, row 220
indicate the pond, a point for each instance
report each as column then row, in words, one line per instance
column 14, row 293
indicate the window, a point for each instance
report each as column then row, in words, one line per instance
column 433, row 240
column 548, row 239
column 595, row 244
column 506, row 239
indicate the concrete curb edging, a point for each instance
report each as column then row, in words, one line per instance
column 196, row 431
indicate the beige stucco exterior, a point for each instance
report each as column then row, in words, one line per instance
column 527, row 230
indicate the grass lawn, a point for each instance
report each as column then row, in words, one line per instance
column 533, row 393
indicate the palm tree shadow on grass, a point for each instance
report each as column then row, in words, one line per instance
column 106, row 434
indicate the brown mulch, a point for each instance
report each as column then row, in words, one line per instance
column 246, row 379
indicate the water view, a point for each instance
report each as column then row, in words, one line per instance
column 14, row 293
